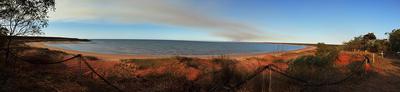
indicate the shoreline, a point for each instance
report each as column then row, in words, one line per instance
column 118, row 57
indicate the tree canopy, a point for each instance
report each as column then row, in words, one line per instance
column 24, row 17
column 394, row 39
column 369, row 36
column 367, row 42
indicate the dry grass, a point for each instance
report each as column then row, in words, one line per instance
column 183, row 74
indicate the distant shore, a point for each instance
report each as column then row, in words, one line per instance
column 107, row 57
column 45, row 39
column 118, row 57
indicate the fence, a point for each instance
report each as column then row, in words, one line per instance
column 273, row 68
column 230, row 88
column 81, row 60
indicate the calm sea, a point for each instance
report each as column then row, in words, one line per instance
column 173, row 47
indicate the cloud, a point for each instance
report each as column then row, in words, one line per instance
column 172, row 13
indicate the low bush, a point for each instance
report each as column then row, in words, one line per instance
column 227, row 75
column 313, row 68
column 41, row 55
column 394, row 39
column 367, row 42
column 319, row 67
column 91, row 58
column 149, row 63
column 190, row 62
column 141, row 63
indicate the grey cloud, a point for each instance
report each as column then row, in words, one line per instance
column 156, row 12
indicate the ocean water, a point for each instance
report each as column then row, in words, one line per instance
column 173, row 47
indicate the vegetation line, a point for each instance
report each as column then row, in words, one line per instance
column 81, row 60
column 102, row 78
column 305, row 82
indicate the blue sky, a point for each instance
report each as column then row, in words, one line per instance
column 310, row 21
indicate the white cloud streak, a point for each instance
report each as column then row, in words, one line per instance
column 172, row 13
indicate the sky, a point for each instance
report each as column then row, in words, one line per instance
column 299, row 21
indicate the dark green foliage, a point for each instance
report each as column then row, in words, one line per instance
column 318, row 68
column 21, row 18
column 326, row 52
column 143, row 63
column 312, row 68
column 355, row 44
column 354, row 67
column 394, row 39
column 43, row 55
column 379, row 46
column 91, row 58
column 190, row 62
column 367, row 42
column 24, row 17
column 369, row 36
column 228, row 74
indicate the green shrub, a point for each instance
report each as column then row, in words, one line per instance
column 142, row 63
column 367, row 42
column 190, row 62
column 227, row 75
column 317, row 68
column 354, row 44
column 44, row 55
column 313, row 68
column 327, row 52
column 91, row 58
column 394, row 39
column 148, row 63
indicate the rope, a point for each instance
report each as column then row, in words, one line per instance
column 307, row 83
column 366, row 61
column 258, row 71
column 272, row 67
column 44, row 63
column 101, row 77
column 81, row 59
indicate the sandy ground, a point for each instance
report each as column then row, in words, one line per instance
column 118, row 57
column 386, row 78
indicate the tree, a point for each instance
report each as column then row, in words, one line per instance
column 328, row 52
column 369, row 36
column 3, row 31
column 367, row 42
column 23, row 17
column 377, row 46
column 394, row 39
column 354, row 44
column 2, row 37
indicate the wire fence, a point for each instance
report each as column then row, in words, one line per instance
column 81, row 60
column 270, row 67
column 273, row 68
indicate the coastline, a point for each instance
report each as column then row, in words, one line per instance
column 118, row 57
column 106, row 57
